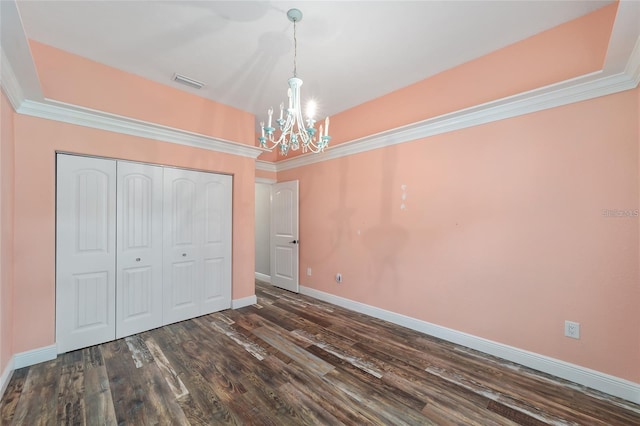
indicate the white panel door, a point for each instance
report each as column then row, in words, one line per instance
column 139, row 251
column 216, row 245
column 85, row 251
column 284, row 235
column 182, row 263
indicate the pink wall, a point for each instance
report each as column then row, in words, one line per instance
column 76, row 80
column 6, row 230
column 503, row 222
column 266, row 175
column 37, row 140
column 503, row 235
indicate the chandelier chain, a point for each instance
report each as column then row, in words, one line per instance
column 295, row 51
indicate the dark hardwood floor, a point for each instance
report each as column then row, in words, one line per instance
column 294, row 360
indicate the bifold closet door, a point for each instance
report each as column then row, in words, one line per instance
column 85, row 251
column 197, row 244
column 181, row 245
column 139, row 253
column 216, row 245
column 137, row 246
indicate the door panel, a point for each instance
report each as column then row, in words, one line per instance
column 90, row 291
column 216, row 247
column 135, row 288
column 284, row 262
column 284, row 235
column 214, row 279
column 184, row 294
column 139, row 259
column 182, row 252
column 184, row 209
column 85, row 251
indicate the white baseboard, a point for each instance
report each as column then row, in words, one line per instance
column 594, row 379
column 263, row 277
column 35, row 356
column 245, row 301
column 6, row 377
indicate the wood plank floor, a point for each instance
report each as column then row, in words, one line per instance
column 294, row 360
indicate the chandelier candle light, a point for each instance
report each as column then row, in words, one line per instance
column 294, row 131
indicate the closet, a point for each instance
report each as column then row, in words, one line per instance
column 138, row 246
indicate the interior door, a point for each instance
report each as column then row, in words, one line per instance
column 216, row 245
column 182, row 245
column 139, row 253
column 85, row 251
column 284, row 235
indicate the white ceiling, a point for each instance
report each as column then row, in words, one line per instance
column 348, row 51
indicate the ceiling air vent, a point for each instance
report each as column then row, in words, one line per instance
column 188, row 81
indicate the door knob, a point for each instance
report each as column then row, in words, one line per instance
column 184, row 254
column 137, row 259
column 294, row 242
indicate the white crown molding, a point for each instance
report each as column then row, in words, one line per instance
column 567, row 92
column 243, row 302
column 35, row 356
column 60, row 111
column 266, row 166
column 633, row 65
column 16, row 57
column 10, row 85
column 265, row 180
column 611, row 385
column 623, row 36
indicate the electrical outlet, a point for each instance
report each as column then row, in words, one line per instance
column 308, row 272
column 338, row 278
column 572, row 329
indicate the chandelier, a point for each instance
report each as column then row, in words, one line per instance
column 294, row 132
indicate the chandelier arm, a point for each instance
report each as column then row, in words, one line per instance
column 300, row 125
column 288, row 125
